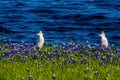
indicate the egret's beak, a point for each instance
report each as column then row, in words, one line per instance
column 37, row 34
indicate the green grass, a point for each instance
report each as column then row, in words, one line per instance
column 17, row 69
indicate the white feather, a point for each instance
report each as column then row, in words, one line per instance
column 41, row 39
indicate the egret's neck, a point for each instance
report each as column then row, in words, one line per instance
column 41, row 36
column 103, row 37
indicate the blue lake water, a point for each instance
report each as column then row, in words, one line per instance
column 60, row 20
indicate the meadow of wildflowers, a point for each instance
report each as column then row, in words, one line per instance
column 69, row 61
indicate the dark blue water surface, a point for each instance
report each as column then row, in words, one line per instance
column 60, row 20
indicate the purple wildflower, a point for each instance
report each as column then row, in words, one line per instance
column 97, row 54
column 118, row 55
column 19, row 56
column 6, row 53
column 73, row 60
column 76, row 48
column 87, row 70
column 65, row 61
column 108, row 55
column 25, row 59
column 49, row 56
column 111, row 61
column 69, row 52
column 35, row 56
column 28, row 70
column 13, row 51
column 81, row 54
column 30, row 77
column 53, row 76
column 103, row 59
column 45, row 53
column 96, row 46
column 11, row 57
column 58, row 54
column 22, row 78
column 101, row 62
column 12, row 46
column 87, row 54
column 26, row 52
column 56, row 51
column 96, row 73
column 84, row 61
column 53, row 62
column 118, row 50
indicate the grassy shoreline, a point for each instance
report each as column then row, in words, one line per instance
column 61, row 62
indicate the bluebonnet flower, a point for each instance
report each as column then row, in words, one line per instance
column 35, row 56
column 108, row 55
column 56, row 51
column 30, row 78
column 6, row 42
column 19, row 56
column 83, row 61
column 25, row 45
column 31, row 44
column 68, row 46
column 65, row 52
column 97, row 55
column 96, row 73
column 45, row 53
column 101, row 63
column 65, row 61
column 69, row 51
column 11, row 58
column 88, row 46
column 25, row 59
column 118, row 55
column 37, row 48
column 40, row 52
column 118, row 50
column 28, row 70
column 53, row 62
column 87, row 54
column 53, row 76
column 75, row 48
column 103, row 59
column 26, row 52
column 6, row 53
column 112, row 55
column 49, row 56
column 87, row 70
column 58, row 54
column 81, row 54
column 96, row 46
column 72, row 60
column 1, row 49
column 87, row 43
column 111, row 61
column 12, row 46
column 22, row 78
column 13, row 51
